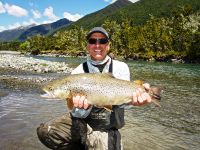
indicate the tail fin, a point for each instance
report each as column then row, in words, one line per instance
column 155, row 93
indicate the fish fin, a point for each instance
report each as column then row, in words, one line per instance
column 108, row 108
column 70, row 103
column 156, row 102
column 139, row 82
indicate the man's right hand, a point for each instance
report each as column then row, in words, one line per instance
column 80, row 102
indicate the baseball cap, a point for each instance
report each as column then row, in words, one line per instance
column 97, row 29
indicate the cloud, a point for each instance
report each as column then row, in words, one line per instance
column 133, row 1
column 13, row 26
column 72, row 17
column 15, row 10
column 46, row 21
column 112, row 1
column 30, row 22
column 2, row 9
column 36, row 14
column 2, row 28
column 17, row 25
column 48, row 12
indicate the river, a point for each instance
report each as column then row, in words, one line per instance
column 173, row 126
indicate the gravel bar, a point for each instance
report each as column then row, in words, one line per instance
column 22, row 62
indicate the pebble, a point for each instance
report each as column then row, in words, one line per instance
column 25, row 63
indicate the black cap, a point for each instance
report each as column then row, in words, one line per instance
column 99, row 30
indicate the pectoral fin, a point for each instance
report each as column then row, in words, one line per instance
column 70, row 103
column 108, row 108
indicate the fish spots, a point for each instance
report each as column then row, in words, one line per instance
column 100, row 89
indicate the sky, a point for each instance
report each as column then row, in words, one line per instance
column 17, row 13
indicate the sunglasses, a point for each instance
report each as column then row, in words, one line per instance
column 100, row 41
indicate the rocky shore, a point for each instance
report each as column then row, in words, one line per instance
column 21, row 62
column 21, row 72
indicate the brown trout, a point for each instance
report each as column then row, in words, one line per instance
column 99, row 89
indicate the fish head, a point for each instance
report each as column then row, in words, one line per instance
column 55, row 90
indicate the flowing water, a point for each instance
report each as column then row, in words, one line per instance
column 174, row 126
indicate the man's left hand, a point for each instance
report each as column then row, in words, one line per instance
column 140, row 97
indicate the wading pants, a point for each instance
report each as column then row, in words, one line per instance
column 69, row 133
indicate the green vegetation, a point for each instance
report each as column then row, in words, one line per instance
column 138, row 13
column 159, row 39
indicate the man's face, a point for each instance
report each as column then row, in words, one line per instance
column 98, row 49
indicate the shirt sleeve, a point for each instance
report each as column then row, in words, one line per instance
column 78, row 69
column 121, row 70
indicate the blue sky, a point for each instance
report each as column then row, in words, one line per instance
column 16, row 13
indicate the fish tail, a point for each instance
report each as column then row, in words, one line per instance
column 156, row 94
column 156, row 102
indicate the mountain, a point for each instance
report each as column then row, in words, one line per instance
column 44, row 29
column 23, row 33
column 138, row 13
column 9, row 35
column 98, row 17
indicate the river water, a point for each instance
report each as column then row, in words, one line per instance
column 174, row 126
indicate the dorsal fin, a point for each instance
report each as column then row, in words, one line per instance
column 139, row 82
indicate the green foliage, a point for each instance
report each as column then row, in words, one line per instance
column 72, row 42
column 13, row 45
column 137, row 12
column 158, row 39
column 24, row 46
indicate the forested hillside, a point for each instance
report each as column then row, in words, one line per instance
column 162, row 38
column 138, row 13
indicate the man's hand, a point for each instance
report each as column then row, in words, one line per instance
column 140, row 97
column 80, row 102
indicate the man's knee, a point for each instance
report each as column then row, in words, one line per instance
column 63, row 132
column 56, row 133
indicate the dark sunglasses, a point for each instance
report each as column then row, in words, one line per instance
column 100, row 41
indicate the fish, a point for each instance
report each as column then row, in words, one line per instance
column 100, row 89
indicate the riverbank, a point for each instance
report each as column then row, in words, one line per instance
column 22, row 62
column 173, row 126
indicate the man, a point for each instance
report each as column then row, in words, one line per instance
column 91, row 127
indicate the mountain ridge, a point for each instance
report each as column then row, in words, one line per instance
column 138, row 13
column 23, row 33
